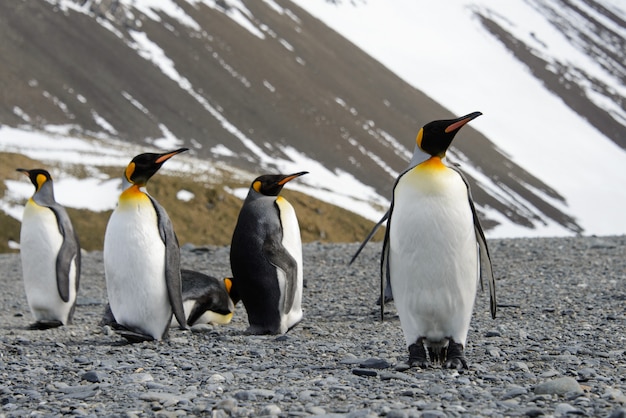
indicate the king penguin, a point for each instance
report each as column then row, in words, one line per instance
column 142, row 257
column 435, row 252
column 206, row 299
column 266, row 257
column 50, row 254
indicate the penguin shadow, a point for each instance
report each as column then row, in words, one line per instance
column 32, row 326
column 55, row 333
column 44, row 325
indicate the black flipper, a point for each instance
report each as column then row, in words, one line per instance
column 384, row 272
column 195, row 314
column 369, row 237
column 172, row 263
column 68, row 253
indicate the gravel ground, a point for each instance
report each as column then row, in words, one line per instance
column 556, row 348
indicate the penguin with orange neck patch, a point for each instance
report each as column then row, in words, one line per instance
column 266, row 257
column 142, row 257
column 435, row 252
column 50, row 255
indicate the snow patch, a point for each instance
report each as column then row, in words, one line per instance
column 185, row 195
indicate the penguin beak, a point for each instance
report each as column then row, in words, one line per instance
column 460, row 122
column 291, row 177
column 36, row 176
column 166, row 156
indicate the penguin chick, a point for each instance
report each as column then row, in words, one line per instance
column 142, row 257
column 435, row 252
column 266, row 257
column 50, row 254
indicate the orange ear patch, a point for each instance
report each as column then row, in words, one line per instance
column 420, row 135
column 41, row 179
column 130, row 169
column 228, row 283
column 257, row 186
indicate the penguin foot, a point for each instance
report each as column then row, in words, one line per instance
column 387, row 300
column 436, row 354
column 259, row 330
column 292, row 327
column 108, row 318
column 417, row 355
column 45, row 324
column 387, row 294
column 130, row 335
column 454, row 356
column 134, row 337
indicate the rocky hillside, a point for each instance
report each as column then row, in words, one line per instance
column 251, row 84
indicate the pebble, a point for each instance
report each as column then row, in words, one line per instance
column 92, row 376
column 375, row 363
column 564, row 409
column 559, row 386
column 618, row 413
column 546, row 353
column 270, row 410
column 364, row 372
column 514, row 393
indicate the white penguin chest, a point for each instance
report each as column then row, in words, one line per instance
column 40, row 235
column 40, row 242
column 433, row 256
column 431, row 210
column 293, row 244
column 291, row 229
column 134, row 261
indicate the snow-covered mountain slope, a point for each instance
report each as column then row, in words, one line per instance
column 549, row 75
column 263, row 86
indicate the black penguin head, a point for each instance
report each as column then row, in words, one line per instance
column 41, row 179
column 143, row 166
column 37, row 176
column 272, row 184
column 435, row 137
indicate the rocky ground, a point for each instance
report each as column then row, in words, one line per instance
column 557, row 347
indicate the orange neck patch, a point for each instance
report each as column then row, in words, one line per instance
column 132, row 193
column 433, row 163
